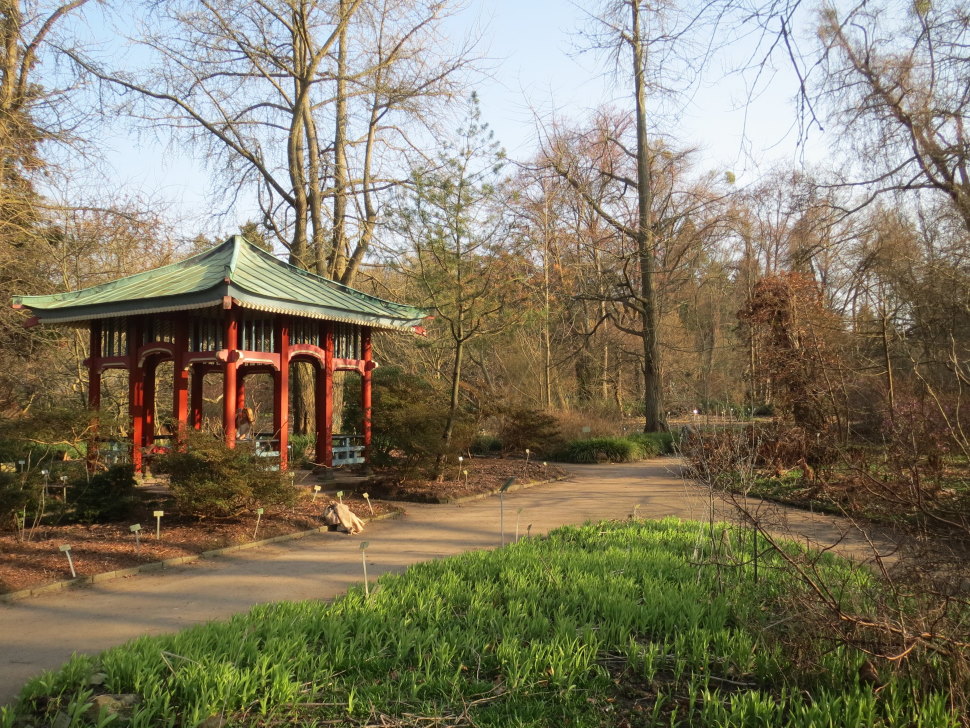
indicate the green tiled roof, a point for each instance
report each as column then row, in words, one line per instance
column 253, row 278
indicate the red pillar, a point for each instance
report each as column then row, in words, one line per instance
column 136, row 393
column 240, row 391
column 281, row 388
column 148, row 402
column 321, row 406
column 94, row 390
column 325, row 397
column 198, row 377
column 94, row 367
column 229, row 378
column 365, row 389
column 180, row 377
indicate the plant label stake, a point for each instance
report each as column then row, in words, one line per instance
column 259, row 515
column 501, row 506
column 316, row 492
column 367, row 498
column 527, row 454
column 517, row 514
column 136, row 529
column 363, row 560
column 64, row 487
column 340, row 496
column 158, row 523
column 66, row 548
column 460, row 461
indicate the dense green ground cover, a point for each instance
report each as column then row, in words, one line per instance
column 618, row 449
column 602, row 625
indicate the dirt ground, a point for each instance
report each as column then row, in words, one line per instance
column 38, row 559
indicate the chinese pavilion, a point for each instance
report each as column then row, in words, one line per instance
column 236, row 310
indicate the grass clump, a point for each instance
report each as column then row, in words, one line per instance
column 606, row 624
column 619, row 449
column 600, row 449
column 653, row 444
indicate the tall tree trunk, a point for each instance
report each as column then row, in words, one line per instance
column 339, row 249
column 653, row 391
column 452, row 406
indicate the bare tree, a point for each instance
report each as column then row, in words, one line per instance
column 35, row 115
column 896, row 82
column 257, row 84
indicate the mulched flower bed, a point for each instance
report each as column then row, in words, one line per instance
column 96, row 549
column 99, row 548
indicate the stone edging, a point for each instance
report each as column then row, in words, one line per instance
column 58, row 586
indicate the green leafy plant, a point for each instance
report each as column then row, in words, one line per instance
column 605, row 624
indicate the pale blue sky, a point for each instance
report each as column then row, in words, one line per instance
column 535, row 69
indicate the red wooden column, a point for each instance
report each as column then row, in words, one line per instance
column 148, row 401
column 136, row 393
column 94, row 366
column 323, row 399
column 365, row 388
column 231, row 339
column 94, row 391
column 240, row 391
column 180, row 377
column 281, row 388
column 198, row 375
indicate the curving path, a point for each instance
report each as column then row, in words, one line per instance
column 42, row 632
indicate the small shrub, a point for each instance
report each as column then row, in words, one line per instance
column 530, row 429
column 210, row 480
column 17, row 493
column 107, row 496
column 486, row 445
column 600, row 449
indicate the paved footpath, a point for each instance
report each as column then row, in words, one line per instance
column 42, row 632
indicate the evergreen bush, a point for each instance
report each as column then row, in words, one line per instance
column 17, row 493
column 531, row 429
column 210, row 480
column 106, row 497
